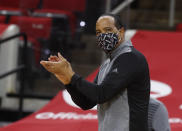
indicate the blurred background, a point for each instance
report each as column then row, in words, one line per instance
column 31, row 30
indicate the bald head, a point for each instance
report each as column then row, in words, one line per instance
column 117, row 20
column 105, row 24
column 110, row 18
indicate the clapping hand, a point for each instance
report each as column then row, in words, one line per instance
column 60, row 67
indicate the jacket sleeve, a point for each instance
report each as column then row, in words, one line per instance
column 122, row 73
column 79, row 99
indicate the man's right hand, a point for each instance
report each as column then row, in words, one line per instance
column 60, row 67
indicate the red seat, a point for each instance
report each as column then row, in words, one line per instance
column 66, row 7
column 2, row 19
column 12, row 6
column 33, row 26
column 20, row 6
column 10, row 3
column 70, row 15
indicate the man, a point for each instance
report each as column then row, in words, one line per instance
column 158, row 116
column 122, row 87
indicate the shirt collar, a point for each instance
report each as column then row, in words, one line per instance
column 120, row 48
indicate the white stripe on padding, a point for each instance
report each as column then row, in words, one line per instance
column 129, row 34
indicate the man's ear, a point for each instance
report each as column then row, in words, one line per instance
column 121, row 30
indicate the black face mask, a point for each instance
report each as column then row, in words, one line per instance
column 107, row 41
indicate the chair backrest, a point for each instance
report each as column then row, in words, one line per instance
column 68, row 5
column 21, row 4
column 33, row 26
column 10, row 3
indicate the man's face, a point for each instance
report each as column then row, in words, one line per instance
column 106, row 24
